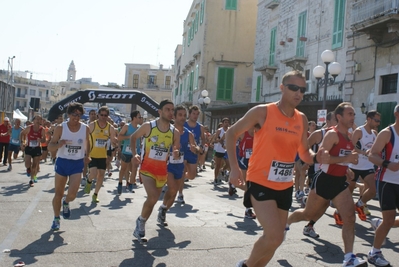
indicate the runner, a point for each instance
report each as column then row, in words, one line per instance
column 385, row 153
column 269, row 176
column 46, row 126
column 363, row 139
column 15, row 144
column 220, row 151
column 100, row 132
column 31, row 137
column 92, row 117
column 5, row 128
column 176, row 167
column 127, row 165
column 71, row 141
column 159, row 137
column 331, row 184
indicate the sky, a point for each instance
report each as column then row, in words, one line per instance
column 100, row 36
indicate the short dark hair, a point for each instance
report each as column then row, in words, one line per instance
column 194, row 107
column 372, row 113
column 292, row 73
column 103, row 108
column 339, row 110
column 165, row 102
column 329, row 115
column 179, row 107
column 76, row 106
column 225, row 119
column 134, row 114
column 92, row 110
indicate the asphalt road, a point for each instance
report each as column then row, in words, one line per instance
column 209, row 230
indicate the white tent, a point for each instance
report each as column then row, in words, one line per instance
column 18, row 115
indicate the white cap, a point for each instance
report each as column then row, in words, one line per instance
column 6, row 119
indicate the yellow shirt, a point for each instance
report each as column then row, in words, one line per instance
column 98, row 140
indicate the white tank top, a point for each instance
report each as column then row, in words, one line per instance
column 218, row 146
column 76, row 144
column 366, row 142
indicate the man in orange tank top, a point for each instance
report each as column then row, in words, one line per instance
column 282, row 134
column 331, row 183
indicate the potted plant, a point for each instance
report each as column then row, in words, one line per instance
column 289, row 39
column 282, row 43
column 303, row 38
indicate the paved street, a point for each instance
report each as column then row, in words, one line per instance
column 209, row 230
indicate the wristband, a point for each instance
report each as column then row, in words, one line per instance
column 385, row 163
column 315, row 159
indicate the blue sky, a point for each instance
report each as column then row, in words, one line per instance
column 100, row 36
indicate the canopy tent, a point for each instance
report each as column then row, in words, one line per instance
column 17, row 114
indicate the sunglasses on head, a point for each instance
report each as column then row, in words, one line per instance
column 295, row 88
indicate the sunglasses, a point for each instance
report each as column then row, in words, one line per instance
column 103, row 115
column 295, row 88
column 76, row 114
column 377, row 120
column 139, row 117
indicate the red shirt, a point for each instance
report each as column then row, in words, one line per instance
column 4, row 129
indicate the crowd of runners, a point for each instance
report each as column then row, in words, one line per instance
column 267, row 153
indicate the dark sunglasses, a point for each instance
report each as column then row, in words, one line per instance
column 139, row 117
column 377, row 120
column 103, row 115
column 295, row 88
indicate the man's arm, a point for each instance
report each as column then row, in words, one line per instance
column 121, row 135
column 55, row 142
column 144, row 130
column 305, row 153
column 356, row 136
column 374, row 156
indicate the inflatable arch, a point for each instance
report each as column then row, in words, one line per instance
column 106, row 96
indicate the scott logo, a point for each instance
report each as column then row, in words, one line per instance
column 115, row 96
column 92, row 96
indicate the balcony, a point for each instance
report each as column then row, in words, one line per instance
column 272, row 4
column 263, row 67
column 297, row 63
column 20, row 95
column 375, row 17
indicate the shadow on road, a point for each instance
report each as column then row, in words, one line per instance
column 182, row 210
column 248, row 226
column 14, row 189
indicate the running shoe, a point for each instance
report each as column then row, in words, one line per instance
column 310, row 231
column 377, row 259
column 299, row 195
column 360, row 213
column 9, row 168
column 249, row 214
column 87, row 187
column 95, row 199
column 240, row 263
column 66, row 212
column 31, row 183
column 338, row 219
column 139, row 231
column 161, row 215
column 366, row 210
column 354, row 262
column 83, row 181
column 287, row 228
column 232, row 190
column 28, row 172
column 119, row 188
column 56, row 225
column 35, row 179
column 203, row 167
column 375, row 222
column 180, row 199
column 130, row 188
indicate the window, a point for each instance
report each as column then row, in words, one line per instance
column 40, row 93
column 192, row 30
column 300, row 45
column 189, row 37
column 184, row 44
column 190, row 86
column 167, row 82
column 258, row 88
column 225, row 82
column 308, row 81
column 231, row 5
column 389, row 84
column 196, row 77
column 135, row 81
column 176, row 91
column 272, row 46
column 152, row 81
column 196, row 21
column 202, row 12
column 181, row 88
column 32, row 92
column 339, row 18
column 17, row 104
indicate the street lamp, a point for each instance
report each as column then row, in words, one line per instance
column 10, row 67
column 333, row 68
column 204, row 101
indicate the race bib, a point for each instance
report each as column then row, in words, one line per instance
column 248, row 153
column 281, row 171
column 128, row 150
column 158, row 153
column 343, row 153
column 72, row 150
column 100, row 143
column 176, row 161
column 33, row 143
column 15, row 141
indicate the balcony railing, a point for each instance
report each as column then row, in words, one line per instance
column 20, row 95
column 372, row 9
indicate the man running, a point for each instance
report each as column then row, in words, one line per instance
column 100, row 132
column 176, row 167
column 331, row 184
column 4, row 139
column 270, row 170
column 31, row 137
column 15, row 144
column 219, row 147
column 385, row 154
column 92, row 118
column 159, row 136
column 71, row 141
column 127, row 165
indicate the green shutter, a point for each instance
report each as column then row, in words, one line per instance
column 181, row 88
column 300, row 46
column 196, row 21
column 338, row 28
column 272, row 46
column 225, row 84
column 202, row 11
column 231, row 5
column 387, row 116
column 258, row 87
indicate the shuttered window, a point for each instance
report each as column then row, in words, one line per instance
column 225, row 84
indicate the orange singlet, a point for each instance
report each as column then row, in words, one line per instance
column 274, row 149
